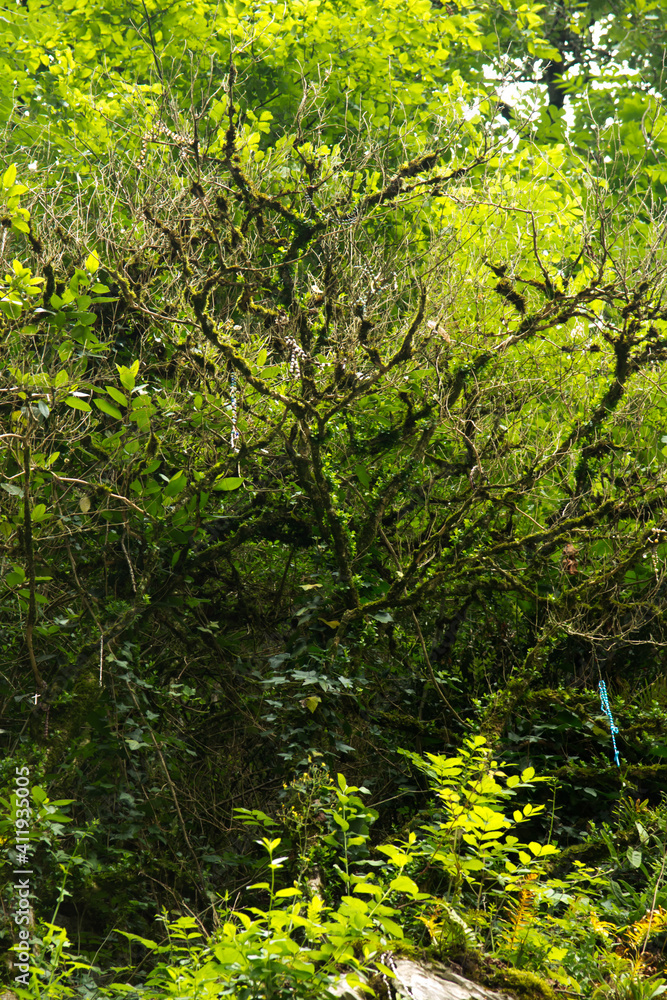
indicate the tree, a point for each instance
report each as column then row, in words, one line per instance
column 296, row 402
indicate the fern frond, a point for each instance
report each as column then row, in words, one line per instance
column 521, row 910
column 653, row 922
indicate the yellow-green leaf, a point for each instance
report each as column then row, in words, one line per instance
column 9, row 177
column 404, row 884
column 311, row 703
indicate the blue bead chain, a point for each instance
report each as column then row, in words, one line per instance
column 234, row 438
column 606, row 708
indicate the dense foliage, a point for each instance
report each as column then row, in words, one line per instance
column 333, row 431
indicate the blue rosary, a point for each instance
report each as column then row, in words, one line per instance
column 234, row 437
column 606, row 708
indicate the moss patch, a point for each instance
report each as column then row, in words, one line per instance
column 523, row 984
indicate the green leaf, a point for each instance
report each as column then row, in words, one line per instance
column 176, row 484
column 92, row 262
column 231, row 483
column 39, row 513
column 116, row 395
column 107, row 408
column 78, row 404
column 135, row 937
column 382, row 616
column 362, row 475
column 391, row 926
column 404, row 884
column 369, row 888
column 127, row 375
column 311, row 703
column 9, row 177
column 12, row 489
column 341, row 822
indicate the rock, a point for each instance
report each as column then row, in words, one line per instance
column 425, row 981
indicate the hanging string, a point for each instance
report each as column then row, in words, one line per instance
column 234, row 437
column 606, row 708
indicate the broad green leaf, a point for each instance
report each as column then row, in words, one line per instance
column 78, row 404
column 404, row 884
column 362, row 475
column 176, row 485
column 108, row 408
column 390, row 926
column 116, row 395
column 15, row 578
column 13, row 489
